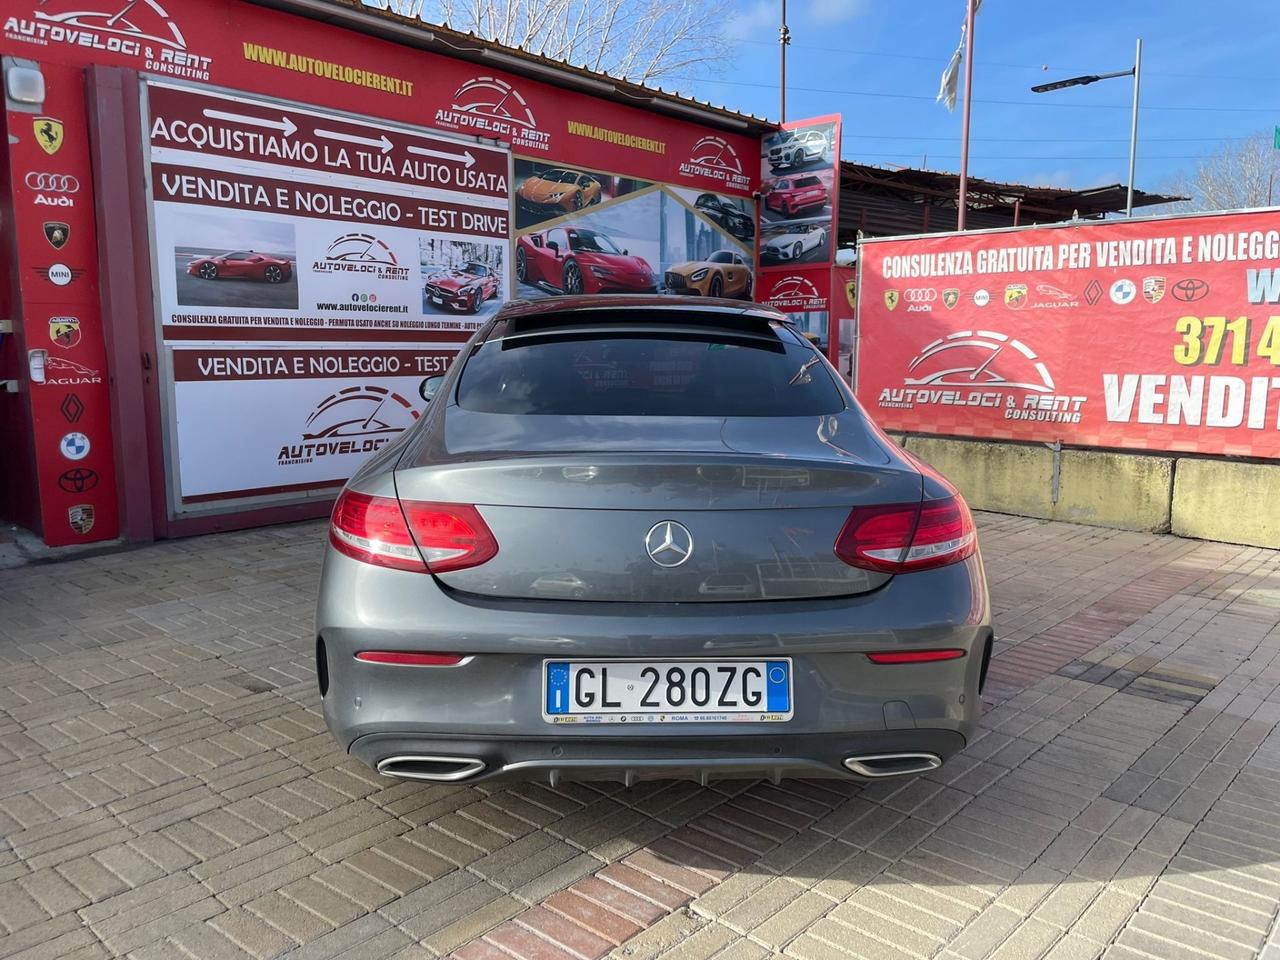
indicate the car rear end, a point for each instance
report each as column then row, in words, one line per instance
column 649, row 541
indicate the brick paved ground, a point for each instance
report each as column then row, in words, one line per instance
column 167, row 788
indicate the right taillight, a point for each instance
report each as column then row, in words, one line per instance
column 901, row 537
column 410, row 534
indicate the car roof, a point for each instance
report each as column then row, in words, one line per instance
column 652, row 301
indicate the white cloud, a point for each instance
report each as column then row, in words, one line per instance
column 753, row 22
column 835, row 11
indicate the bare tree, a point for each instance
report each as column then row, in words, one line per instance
column 640, row 40
column 1243, row 173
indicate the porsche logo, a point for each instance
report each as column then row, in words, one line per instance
column 1153, row 289
column 851, row 292
column 1015, row 296
column 951, row 297
column 891, row 298
column 48, row 133
column 81, row 517
column 57, row 233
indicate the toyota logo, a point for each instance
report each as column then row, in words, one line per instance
column 921, row 295
column 52, row 182
column 78, row 480
column 669, row 543
column 1190, row 290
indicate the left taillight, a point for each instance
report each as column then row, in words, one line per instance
column 410, row 534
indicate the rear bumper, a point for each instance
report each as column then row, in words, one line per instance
column 491, row 704
column 628, row 759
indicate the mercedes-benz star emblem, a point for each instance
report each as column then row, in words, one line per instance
column 669, row 543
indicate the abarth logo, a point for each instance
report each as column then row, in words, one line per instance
column 64, row 331
column 1015, row 296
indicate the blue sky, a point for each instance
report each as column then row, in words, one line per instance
column 1209, row 73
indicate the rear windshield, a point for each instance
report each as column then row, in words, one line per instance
column 808, row 182
column 648, row 374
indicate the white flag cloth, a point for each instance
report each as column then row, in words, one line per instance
column 951, row 76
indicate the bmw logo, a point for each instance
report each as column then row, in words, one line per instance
column 1123, row 291
column 74, row 446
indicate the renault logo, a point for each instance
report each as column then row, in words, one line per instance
column 669, row 543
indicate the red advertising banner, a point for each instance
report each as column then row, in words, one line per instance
column 1159, row 334
column 52, row 185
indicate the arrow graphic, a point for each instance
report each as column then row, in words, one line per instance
column 382, row 143
column 286, row 125
column 466, row 158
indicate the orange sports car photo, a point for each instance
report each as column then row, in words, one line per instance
column 558, row 191
column 723, row 274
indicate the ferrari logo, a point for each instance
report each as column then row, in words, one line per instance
column 57, row 234
column 48, row 134
column 951, row 297
column 1153, row 289
column 81, row 517
column 1015, row 296
column 64, row 331
column 891, row 298
column 851, row 292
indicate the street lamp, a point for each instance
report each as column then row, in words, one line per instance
column 1136, row 72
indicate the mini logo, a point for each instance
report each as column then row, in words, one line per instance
column 72, row 408
column 57, row 233
column 891, row 299
column 950, row 297
column 1123, row 291
column 1189, row 290
column 1015, row 296
column 59, row 274
column 61, row 372
column 1093, row 292
column 51, row 182
column 74, row 446
column 78, row 480
column 64, row 331
column 48, row 132
column 715, row 157
column 1153, row 289
column 981, row 297
column 81, row 517
column 668, row 543
column 364, row 254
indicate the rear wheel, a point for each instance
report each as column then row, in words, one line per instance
column 208, row 271
column 273, row 273
column 522, row 266
column 577, row 201
column 746, row 291
column 717, row 286
column 572, row 278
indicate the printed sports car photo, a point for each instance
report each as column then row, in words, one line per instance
column 723, row 274
column 463, row 288
column 799, row 148
column 242, row 265
column 792, row 243
column 728, row 212
column 576, row 260
column 558, row 191
column 789, row 195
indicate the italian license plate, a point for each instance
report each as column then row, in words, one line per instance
column 437, row 300
column 666, row 691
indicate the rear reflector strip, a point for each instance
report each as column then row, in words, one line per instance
column 915, row 656
column 403, row 658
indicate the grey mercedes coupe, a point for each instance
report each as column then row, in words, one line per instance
column 648, row 537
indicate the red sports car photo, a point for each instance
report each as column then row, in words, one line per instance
column 462, row 288
column 242, row 265
column 791, row 194
column 575, row 260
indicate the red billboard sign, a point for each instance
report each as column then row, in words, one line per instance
column 1160, row 334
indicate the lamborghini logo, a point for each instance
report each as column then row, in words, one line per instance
column 951, row 297
column 891, row 298
column 57, row 233
column 48, row 134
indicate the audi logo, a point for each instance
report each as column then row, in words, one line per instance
column 921, row 295
column 52, row 182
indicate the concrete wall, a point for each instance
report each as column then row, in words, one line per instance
column 1225, row 500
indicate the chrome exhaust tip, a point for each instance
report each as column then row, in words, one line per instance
column 433, row 769
column 893, row 764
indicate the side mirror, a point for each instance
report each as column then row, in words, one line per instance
column 553, row 247
column 624, row 251
column 429, row 387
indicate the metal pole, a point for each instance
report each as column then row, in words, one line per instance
column 964, row 122
column 1133, row 134
column 784, row 38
